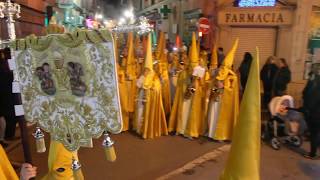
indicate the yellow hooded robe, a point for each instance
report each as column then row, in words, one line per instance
column 164, row 75
column 6, row 170
column 60, row 163
column 131, row 74
column 229, row 108
column 195, row 120
column 151, row 122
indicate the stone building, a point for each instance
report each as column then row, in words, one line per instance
column 281, row 30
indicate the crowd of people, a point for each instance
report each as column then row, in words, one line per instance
column 197, row 92
column 179, row 90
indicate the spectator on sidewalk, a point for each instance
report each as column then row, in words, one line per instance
column 244, row 69
column 282, row 78
column 311, row 106
column 267, row 76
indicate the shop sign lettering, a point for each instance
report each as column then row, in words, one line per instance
column 255, row 18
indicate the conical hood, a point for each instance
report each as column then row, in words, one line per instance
column 144, row 44
column 228, row 61
column 148, row 61
column 130, row 38
column 137, row 41
column 194, row 55
column 130, row 59
column 214, row 57
column 244, row 157
column 161, row 41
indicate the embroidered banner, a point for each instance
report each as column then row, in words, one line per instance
column 69, row 85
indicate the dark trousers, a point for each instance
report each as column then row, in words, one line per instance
column 314, row 129
column 266, row 98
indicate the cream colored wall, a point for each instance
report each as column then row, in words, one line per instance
column 283, row 42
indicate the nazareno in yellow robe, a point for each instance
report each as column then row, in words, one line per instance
column 6, row 170
column 175, row 121
column 154, row 120
column 229, row 107
column 195, row 121
column 131, row 81
column 123, row 92
column 165, row 84
column 60, row 159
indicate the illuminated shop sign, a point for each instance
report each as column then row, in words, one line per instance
column 255, row 3
column 246, row 16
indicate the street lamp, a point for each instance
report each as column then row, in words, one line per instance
column 9, row 10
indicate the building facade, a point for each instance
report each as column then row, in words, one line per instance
column 32, row 18
column 282, row 30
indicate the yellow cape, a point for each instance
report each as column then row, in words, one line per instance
column 6, row 170
column 59, row 162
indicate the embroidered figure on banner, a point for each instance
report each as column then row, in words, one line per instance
column 44, row 74
column 75, row 71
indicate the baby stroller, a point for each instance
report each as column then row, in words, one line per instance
column 286, row 125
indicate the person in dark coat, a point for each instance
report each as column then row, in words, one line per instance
column 311, row 107
column 267, row 75
column 6, row 96
column 282, row 78
column 221, row 56
column 244, row 69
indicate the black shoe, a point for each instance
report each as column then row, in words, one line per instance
column 3, row 144
column 308, row 156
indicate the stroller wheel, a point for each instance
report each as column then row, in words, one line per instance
column 275, row 144
column 296, row 141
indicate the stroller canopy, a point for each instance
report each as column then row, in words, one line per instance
column 274, row 105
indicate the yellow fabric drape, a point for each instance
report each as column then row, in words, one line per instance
column 193, row 52
column 6, row 170
column 123, row 92
column 154, row 119
column 196, row 124
column 214, row 57
column 164, row 75
column 59, row 157
column 131, row 74
column 244, row 158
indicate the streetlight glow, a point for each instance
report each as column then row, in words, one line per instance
column 128, row 13
column 99, row 16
